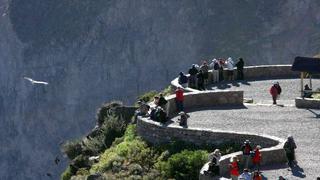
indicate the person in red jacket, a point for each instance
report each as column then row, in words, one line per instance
column 256, row 159
column 234, row 168
column 274, row 93
column 256, row 176
column 179, row 99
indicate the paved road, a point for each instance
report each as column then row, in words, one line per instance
column 278, row 121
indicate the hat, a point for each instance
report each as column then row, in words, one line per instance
column 181, row 113
column 247, row 142
column 258, row 147
column 216, row 151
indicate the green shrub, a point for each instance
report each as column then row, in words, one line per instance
column 184, row 165
column 66, row 175
column 72, row 148
column 148, row 96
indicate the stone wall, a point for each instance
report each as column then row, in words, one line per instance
column 307, row 103
column 206, row 99
column 255, row 72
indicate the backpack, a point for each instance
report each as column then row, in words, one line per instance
column 216, row 66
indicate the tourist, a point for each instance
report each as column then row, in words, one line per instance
column 156, row 100
column 246, row 175
column 183, row 79
column 256, row 176
column 214, row 163
column 278, row 87
column 179, row 99
column 142, row 110
column 183, row 118
column 234, row 168
column 221, row 63
column 246, row 150
column 256, row 159
column 307, row 91
column 289, row 148
column 205, row 70
column 215, row 66
column 274, row 92
column 192, row 78
column 240, row 65
column 200, row 79
column 230, row 66
column 162, row 101
column 160, row 115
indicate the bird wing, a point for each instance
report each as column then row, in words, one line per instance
column 29, row 79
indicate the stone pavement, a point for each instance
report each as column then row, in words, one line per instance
column 264, row 118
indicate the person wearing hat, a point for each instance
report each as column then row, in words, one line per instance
column 246, row 151
column 234, row 168
column 256, row 159
column 214, row 164
column 183, row 118
column 289, row 148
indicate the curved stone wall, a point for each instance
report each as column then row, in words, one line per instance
column 255, row 72
column 307, row 103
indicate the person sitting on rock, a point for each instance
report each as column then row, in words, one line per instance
column 307, row 91
column 246, row 175
column 160, row 115
column 246, row 150
column 192, row 78
column 256, row 159
column 289, row 148
column 234, row 168
column 205, row 70
column 183, row 118
column 214, row 164
column 142, row 110
column 183, row 79
column 200, row 78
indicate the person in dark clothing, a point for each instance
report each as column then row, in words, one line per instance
column 193, row 73
column 200, row 78
column 289, row 147
column 183, row 118
column 307, row 91
column 162, row 101
column 278, row 87
column 183, row 79
column 240, row 65
column 221, row 62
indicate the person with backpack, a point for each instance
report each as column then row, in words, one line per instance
column 215, row 66
column 256, row 159
column 240, row 65
column 234, row 168
column 289, row 147
column 183, row 79
column 275, row 91
column 193, row 71
column 246, row 151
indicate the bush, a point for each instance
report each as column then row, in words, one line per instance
column 148, row 96
column 72, row 148
column 184, row 165
column 66, row 175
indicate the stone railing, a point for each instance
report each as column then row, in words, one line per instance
column 205, row 99
column 307, row 103
column 255, row 72
column 156, row 133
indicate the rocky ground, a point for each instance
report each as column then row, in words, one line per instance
column 264, row 118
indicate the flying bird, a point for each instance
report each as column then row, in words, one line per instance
column 57, row 160
column 35, row 82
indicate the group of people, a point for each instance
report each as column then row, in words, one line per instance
column 251, row 159
column 199, row 75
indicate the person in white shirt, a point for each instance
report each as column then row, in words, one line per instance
column 230, row 67
column 215, row 66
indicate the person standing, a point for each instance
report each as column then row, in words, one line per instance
column 230, row 67
column 205, row 71
column 192, row 78
column 240, row 65
column 215, row 66
column 289, row 148
column 256, row 159
column 274, row 92
column 234, row 168
column 222, row 64
column 246, row 151
column 200, row 79
column 179, row 99
column 183, row 118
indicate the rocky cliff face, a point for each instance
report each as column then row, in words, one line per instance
column 95, row 51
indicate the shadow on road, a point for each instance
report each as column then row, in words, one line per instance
column 315, row 113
